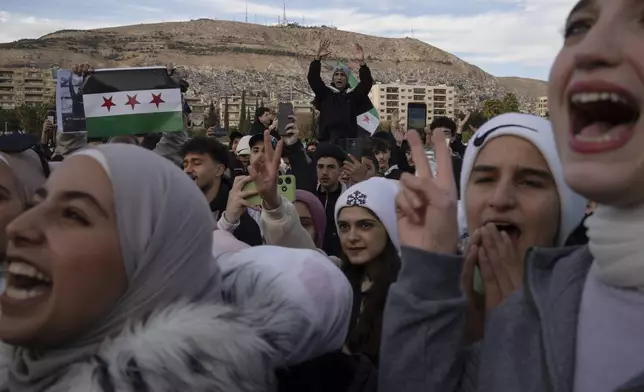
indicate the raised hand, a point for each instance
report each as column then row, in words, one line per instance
column 265, row 171
column 501, row 267
column 426, row 205
column 355, row 170
column 323, row 49
column 461, row 123
column 292, row 131
column 82, row 69
column 237, row 204
column 360, row 51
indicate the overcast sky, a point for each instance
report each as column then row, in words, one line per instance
column 504, row 37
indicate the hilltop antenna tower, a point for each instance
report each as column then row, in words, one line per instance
column 284, row 15
column 246, row 18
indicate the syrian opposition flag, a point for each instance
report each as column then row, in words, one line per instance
column 127, row 101
column 368, row 119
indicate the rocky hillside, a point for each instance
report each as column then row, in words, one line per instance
column 221, row 57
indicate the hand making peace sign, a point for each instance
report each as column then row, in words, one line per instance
column 426, row 206
column 265, row 171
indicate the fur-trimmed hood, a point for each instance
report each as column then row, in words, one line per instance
column 184, row 347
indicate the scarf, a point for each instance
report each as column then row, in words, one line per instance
column 615, row 241
column 165, row 234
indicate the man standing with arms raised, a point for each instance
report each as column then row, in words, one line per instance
column 339, row 104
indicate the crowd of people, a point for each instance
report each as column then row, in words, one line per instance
column 403, row 261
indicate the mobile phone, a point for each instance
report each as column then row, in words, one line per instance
column 284, row 110
column 285, row 187
column 354, row 148
column 51, row 116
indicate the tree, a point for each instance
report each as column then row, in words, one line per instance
column 212, row 118
column 492, row 108
column 495, row 107
column 242, row 113
column 384, row 125
column 31, row 117
column 249, row 120
column 510, row 103
column 9, row 120
column 226, row 114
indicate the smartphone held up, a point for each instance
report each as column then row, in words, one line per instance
column 284, row 114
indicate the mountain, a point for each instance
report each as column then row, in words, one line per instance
column 222, row 57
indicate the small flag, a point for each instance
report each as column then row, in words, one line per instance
column 127, row 101
column 368, row 119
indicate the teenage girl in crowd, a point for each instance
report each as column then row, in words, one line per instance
column 577, row 324
column 366, row 222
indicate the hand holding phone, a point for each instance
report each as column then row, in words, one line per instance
column 285, row 111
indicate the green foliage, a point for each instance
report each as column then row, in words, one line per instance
column 26, row 117
column 9, row 120
column 495, row 107
column 226, row 113
column 212, row 118
column 243, row 125
column 510, row 103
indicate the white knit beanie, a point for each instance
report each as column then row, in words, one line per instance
column 537, row 131
column 378, row 195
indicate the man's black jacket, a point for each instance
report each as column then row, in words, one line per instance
column 339, row 110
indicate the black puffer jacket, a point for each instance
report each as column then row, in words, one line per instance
column 339, row 110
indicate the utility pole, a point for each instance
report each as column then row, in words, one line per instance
column 246, row 18
column 284, row 16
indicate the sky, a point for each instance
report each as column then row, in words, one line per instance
column 503, row 37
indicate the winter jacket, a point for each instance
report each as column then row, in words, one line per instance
column 331, row 245
column 257, row 128
column 246, row 230
column 301, row 166
column 339, row 110
column 281, row 227
column 184, row 347
column 529, row 342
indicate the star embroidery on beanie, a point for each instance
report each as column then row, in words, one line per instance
column 357, row 198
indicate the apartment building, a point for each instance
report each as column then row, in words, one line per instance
column 26, row 85
column 198, row 108
column 414, row 105
column 542, row 107
column 234, row 106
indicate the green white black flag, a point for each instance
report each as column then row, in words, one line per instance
column 127, row 101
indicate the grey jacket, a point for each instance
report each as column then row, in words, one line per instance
column 529, row 342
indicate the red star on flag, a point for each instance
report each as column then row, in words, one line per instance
column 107, row 103
column 366, row 119
column 156, row 99
column 132, row 101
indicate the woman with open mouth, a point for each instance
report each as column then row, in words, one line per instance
column 21, row 173
column 577, row 323
column 514, row 198
column 366, row 222
column 111, row 285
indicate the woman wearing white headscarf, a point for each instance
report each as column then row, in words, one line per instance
column 111, row 287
